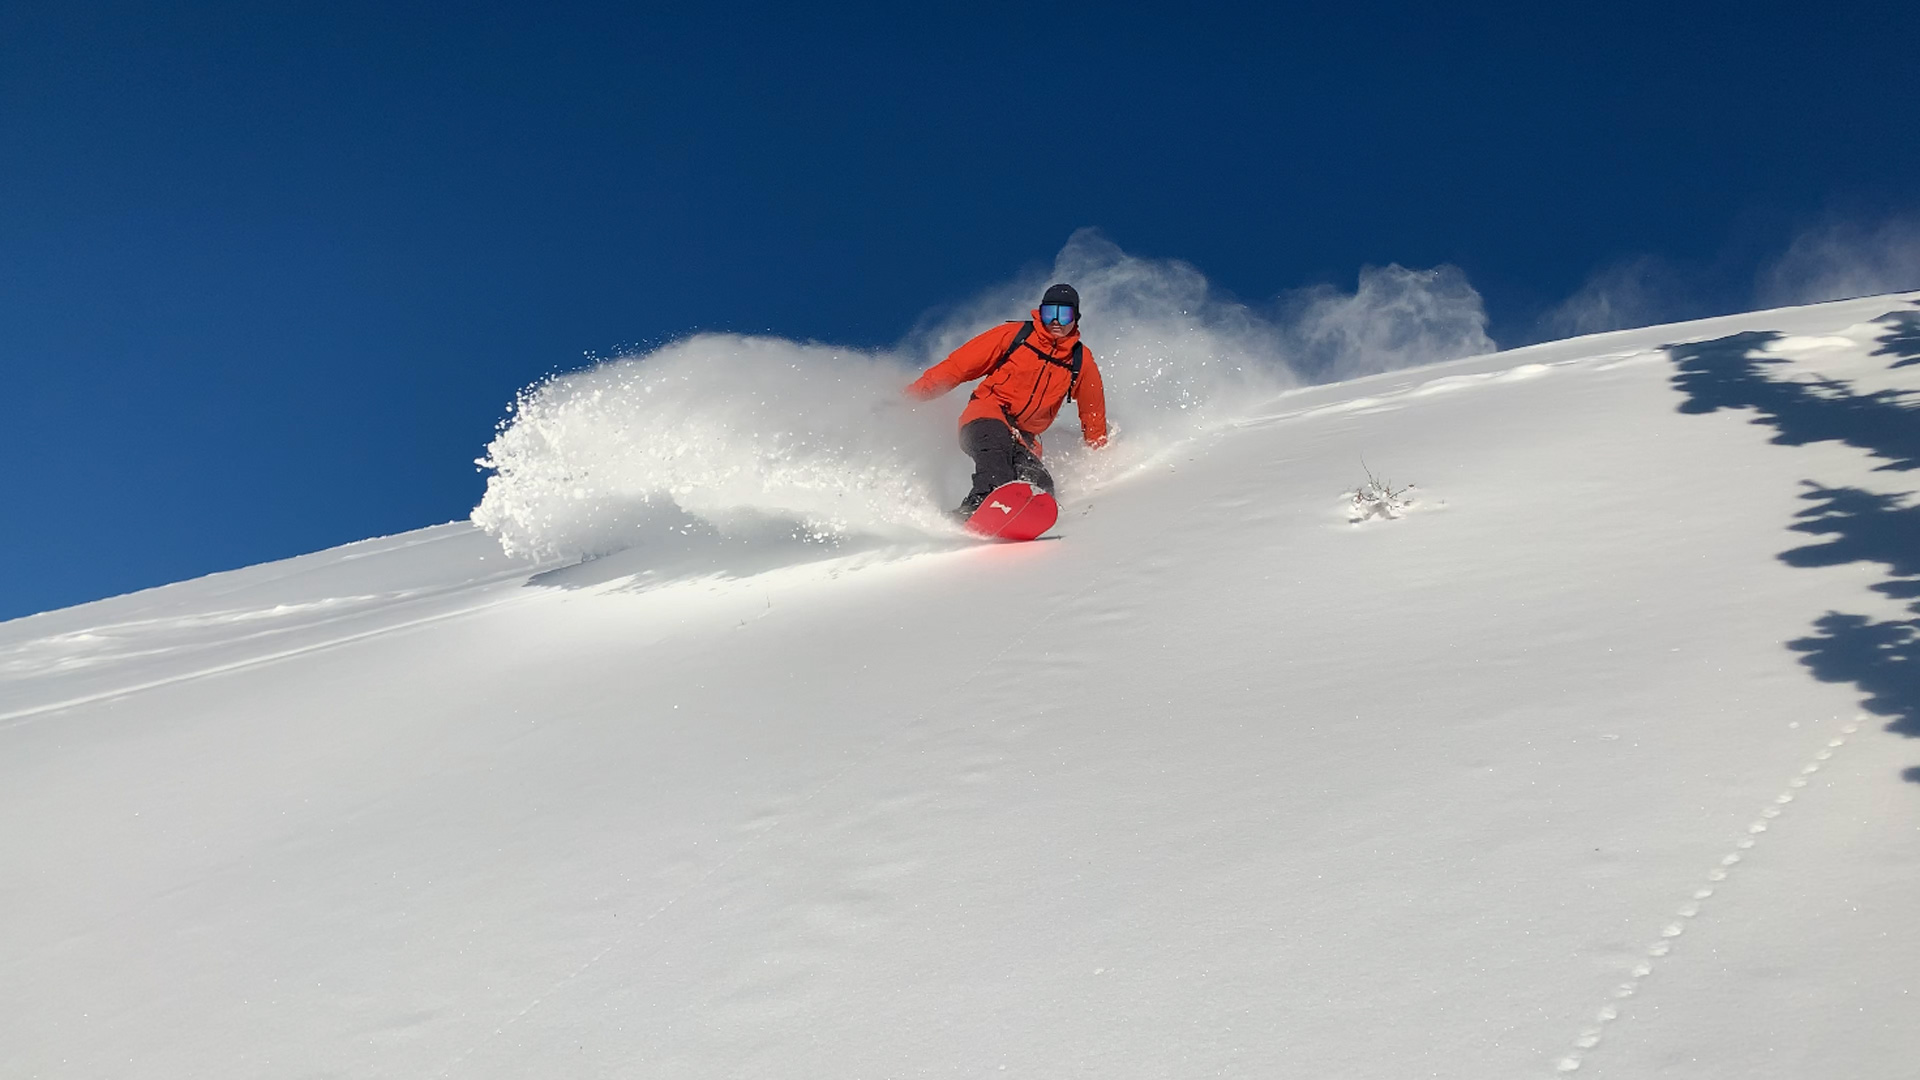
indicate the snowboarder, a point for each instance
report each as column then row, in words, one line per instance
column 1027, row 370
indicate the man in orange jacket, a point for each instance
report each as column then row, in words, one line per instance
column 1027, row 370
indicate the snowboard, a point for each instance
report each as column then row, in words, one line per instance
column 1014, row 511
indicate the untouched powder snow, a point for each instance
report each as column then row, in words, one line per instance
column 1596, row 760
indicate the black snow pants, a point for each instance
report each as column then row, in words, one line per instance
column 998, row 458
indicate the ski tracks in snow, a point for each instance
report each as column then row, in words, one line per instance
column 1591, row 1036
column 461, row 606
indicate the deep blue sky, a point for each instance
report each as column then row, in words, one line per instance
column 269, row 274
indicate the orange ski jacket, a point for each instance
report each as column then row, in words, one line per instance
column 1026, row 391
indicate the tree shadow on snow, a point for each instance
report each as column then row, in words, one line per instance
column 1904, row 340
column 1730, row 373
column 1881, row 658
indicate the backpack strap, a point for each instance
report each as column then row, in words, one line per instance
column 1019, row 339
column 1072, row 363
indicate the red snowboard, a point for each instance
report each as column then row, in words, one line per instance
column 1015, row 511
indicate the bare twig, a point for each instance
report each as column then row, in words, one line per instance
column 1377, row 498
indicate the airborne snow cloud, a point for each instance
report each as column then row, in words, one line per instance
column 734, row 434
column 1835, row 260
column 1639, row 291
column 1843, row 259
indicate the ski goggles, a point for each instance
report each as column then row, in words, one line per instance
column 1058, row 314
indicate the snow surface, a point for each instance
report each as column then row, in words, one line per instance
column 1591, row 760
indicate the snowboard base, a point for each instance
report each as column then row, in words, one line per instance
column 1014, row 511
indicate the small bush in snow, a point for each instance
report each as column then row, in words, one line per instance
column 1377, row 498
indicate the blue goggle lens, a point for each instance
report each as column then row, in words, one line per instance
column 1063, row 314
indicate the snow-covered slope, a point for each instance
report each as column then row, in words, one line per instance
column 1591, row 761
